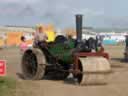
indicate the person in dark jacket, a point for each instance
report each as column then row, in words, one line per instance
column 126, row 48
column 126, row 41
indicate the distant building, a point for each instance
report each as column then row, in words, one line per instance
column 5, row 29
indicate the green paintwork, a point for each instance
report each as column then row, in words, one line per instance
column 63, row 51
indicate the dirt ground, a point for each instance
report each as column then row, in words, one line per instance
column 117, row 86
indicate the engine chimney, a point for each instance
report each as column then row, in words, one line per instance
column 79, row 28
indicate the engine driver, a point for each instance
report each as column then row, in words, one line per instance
column 40, row 37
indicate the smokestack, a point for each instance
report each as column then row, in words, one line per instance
column 79, row 27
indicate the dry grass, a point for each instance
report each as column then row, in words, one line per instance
column 7, row 86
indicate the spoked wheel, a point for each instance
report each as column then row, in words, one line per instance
column 33, row 64
column 29, row 64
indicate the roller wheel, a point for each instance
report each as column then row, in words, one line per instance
column 93, row 70
column 33, row 64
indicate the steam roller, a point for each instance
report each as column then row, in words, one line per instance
column 65, row 56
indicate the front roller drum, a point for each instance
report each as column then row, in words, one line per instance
column 93, row 71
column 33, row 64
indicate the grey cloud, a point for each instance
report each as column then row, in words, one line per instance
column 59, row 12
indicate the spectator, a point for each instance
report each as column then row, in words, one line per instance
column 126, row 48
column 126, row 41
column 99, row 40
column 23, row 45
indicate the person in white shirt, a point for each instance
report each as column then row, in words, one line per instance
column 40, row 37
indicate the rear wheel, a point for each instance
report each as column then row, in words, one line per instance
column 33, row 64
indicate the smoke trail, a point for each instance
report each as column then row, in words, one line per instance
column 58, row 12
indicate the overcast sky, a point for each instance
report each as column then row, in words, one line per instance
column 97, row 13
